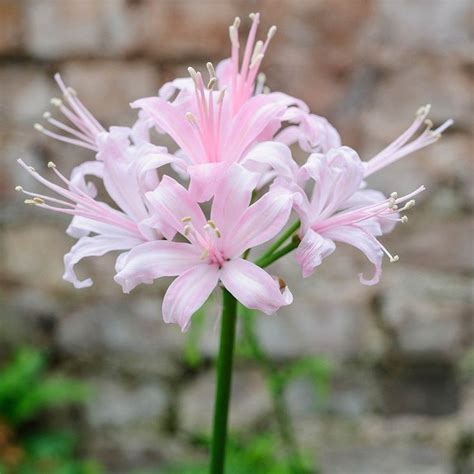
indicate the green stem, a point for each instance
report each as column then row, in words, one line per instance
column 281, row 240
column 283, row 419
column 266, row 260
column 224, row 382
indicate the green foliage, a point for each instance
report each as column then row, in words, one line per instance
column 256, row 455
column 26, row 391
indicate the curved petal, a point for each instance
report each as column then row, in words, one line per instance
column 93, row 247
column 274, row 156
column 204, row 180
column 312, row 250
column 171, row 202
column 365, row 242
column 253, row 286
column 153, row 260
column 260, row 222
column 88, row 168
column 188, row 293
column 232, row 198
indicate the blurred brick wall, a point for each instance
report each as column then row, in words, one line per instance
column 367, row 65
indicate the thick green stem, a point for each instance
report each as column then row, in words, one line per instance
column 266, row 260
column 224, row 383
column 281, row 240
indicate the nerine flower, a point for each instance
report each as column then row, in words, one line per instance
column 222, row 122
column 213, row 248
column 340, row 209
column 127, row 169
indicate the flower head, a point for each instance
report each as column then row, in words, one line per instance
column 213, row 248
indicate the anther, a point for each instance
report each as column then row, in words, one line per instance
column 236, row 23
column 186, row 219
column 56, row 102
column 38, row 200
column 30, row 202
column 252, row 16
column 424, row 110
column 256, row 59
column 39, row 127
column 257, row 50
column 429, row 123
column 404, row 219
column 218, row 233
column 51, row 164
column 266, row 90
column 212, row 224
column 271, row 32
column 19, row 188
column 281, row 283
column 234, row 35
column 394, row 195
column 211, row 83
column 47, row 115
column 193, row 74
column 394, row 259
column 410, row 204
column 391, row 202
column 211, row 70
column 187, row 230
column 191, row 118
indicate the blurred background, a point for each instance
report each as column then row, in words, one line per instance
column 94, row 380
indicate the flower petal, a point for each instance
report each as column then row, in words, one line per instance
column 93, row 247
column 312, row 250
column 365, row 242
column 188, row 293
column 205, row 179
column 260, row 222
column 253, row 286
column 171, row 202
column 232, row 198
column 153, row 260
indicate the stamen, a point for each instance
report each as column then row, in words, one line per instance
column 394, row 259
column 271, row 32
column 191, row 118
column 236, row 23
column 211, row 70
column 19, row 188
column 39, row 127
column 394, row 195
column 212, row 224
column 193, row 74
column 404, row 219
column 187, row 219
column 51, row 164
column 423, row 111
column 70, row 90
column 256, row 60
column 47, row 115
column 187, row 230
column 212, row 82
column 429, row 123
column 38, row 200
column 30, row 202
column 220, row 98
column 56, row 102
column 234, row 36
column 257, row 50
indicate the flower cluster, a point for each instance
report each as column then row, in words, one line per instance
column 233, row 137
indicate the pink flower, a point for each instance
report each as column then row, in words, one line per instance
column 340, row 210
column 215, row 128
column 128, row 172
column 214, row 247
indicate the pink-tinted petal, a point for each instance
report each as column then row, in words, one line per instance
column 172, row 120
column 205, row 179
column 93, row 247
column 312, row 250
column 153, row 260
column 188, row 293
column 365, row 242
column 88, row 168
column 271, row 156
column 232, row 198
column 260, row 222
column 171, row 202
column 253, row 286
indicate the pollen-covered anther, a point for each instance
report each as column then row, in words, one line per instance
column 394, row 259
column 186, row 219
column 271, row 32
column 191, row 118
column 408, row 205
column 236, row 23
column 212, row 82
column 56, row 102
column 404, row 219
column 233, row 35
column 392, row 202
column 193, row 74
column 210, row 69
column 220, row 98
column 30, row 202
column 394, row 195
column 51, row 164
column 187, row 230
column 38, row 200
column 424, row 110
column 429, row 123
column 256, row 60
column 257, row 50
column 281, row 283
column 47, row 115
column 38, row 127
column 19, row 188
